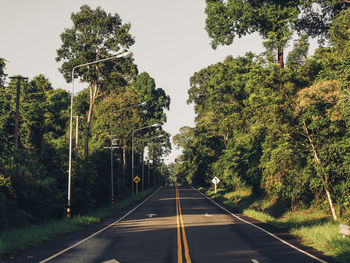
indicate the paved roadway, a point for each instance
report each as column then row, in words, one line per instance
column 173, row 225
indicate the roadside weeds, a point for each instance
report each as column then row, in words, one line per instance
column 314, row 228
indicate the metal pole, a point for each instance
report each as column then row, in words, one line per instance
column 148, row 175
column 143, row 167
column 137, row 188
column 112, row 189
column 123, row 55
column 132, row 153
column 76, row 131
column 70, row 147
column 111, row 129
column 132, row 163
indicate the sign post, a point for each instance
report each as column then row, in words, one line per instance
column 215, row 182
column 137, row 180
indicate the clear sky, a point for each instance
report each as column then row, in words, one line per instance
column 171, row 43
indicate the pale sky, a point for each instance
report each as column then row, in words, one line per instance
column 171, row 43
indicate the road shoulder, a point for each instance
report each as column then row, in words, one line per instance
column 280, row 233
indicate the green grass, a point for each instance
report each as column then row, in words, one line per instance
column 313, row 227
column 18, row 238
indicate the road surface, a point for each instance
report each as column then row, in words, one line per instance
column 174, row 225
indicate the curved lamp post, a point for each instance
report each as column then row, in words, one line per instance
column 143, row 150
column 122, row 55
column 112, row 146
column 132, row 153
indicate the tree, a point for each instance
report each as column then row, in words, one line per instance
column 324, row 129
column 6, row 124
column 33, row 108
column 318, row 15
column 95, row 35
column 274, row 20
column 298, row 55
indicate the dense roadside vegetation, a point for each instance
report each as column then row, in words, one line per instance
column 33, row 177
column 273, row 123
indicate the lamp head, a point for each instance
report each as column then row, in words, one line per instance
column 127, row 54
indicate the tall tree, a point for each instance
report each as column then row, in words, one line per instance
column 34, row 108
column 318, row 15
column 95, row 35
column 273, row 20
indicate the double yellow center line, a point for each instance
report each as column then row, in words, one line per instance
column 181, row 228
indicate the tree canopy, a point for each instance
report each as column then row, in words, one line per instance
column 281, row 132
column 33, row 178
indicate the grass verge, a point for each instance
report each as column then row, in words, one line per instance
column 313, row 227
column 15, row 239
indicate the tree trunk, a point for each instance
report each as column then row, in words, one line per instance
column 142, row 170
column 280, row 57
column 87, row 131
column 324, row 177
column 93, row 95
column 124, row 163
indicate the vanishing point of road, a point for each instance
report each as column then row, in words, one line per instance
column 174, row 224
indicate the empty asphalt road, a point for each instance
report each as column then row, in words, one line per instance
column 174, row 225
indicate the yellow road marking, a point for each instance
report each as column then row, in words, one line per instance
column 179, row 246
column 179, row 215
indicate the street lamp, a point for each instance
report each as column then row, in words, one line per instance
column 126, row 108
column 122, row 55
column 113, row 146
column 143, row 149
column 132, row 154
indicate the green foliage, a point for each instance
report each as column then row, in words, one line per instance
column 298, row 55
column 283, row 131
column 94, row 35
column 33, row 178
column 317, row 17
column 340, row 33
column 273, row 20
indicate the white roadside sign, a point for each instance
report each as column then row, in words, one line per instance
column 215, row 182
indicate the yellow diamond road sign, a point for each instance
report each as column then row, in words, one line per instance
column 137, row 179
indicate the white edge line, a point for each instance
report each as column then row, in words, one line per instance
column 98, row 232
column 267, row 232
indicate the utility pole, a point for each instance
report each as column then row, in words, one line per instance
column 18, row 93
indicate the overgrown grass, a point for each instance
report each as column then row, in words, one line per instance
column 18, row 238
column 314, row 228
